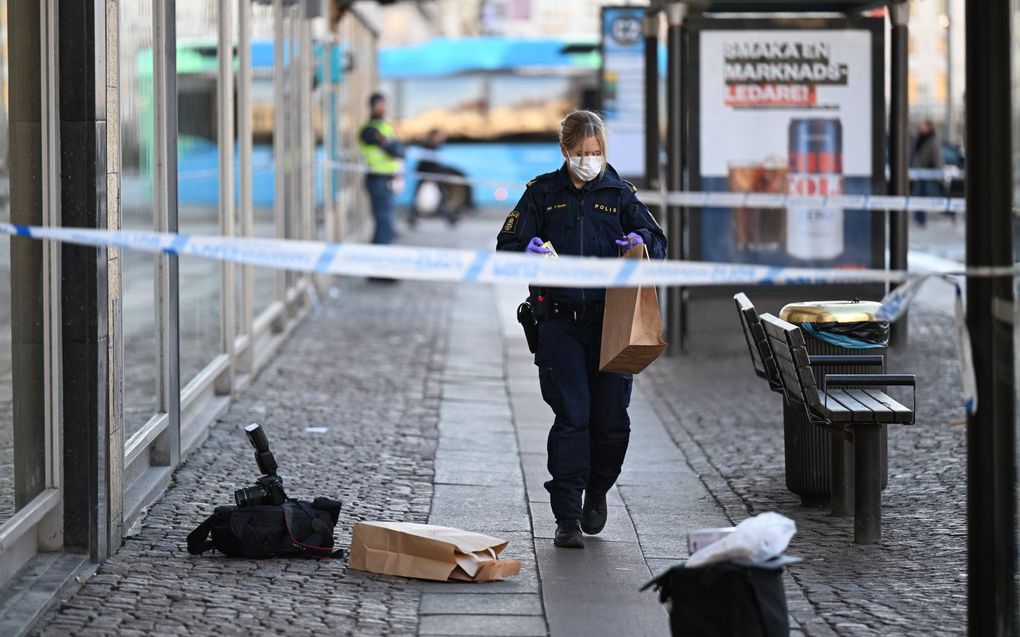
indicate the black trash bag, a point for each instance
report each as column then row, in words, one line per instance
column 873, row 333
column 293, row 529
column 725, row 599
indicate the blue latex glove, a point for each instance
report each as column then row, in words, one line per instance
column 631, row 240
column 535, row 247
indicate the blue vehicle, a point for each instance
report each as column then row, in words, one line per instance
column 498, row 101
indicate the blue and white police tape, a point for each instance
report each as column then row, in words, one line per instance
column 441, row 264
column 895, row 304
column 482, row 266
column 849, row 203
column 701, row 199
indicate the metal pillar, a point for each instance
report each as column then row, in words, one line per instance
column 898, row 154
column 653, row 140
column 947, row 11
column 867, row 494
column 247, row 214
column 991, row 451
column 328, row 137
column 225, row 143
column 675, row 117
column 167, row 450
column 306, row 145
column 279, row 140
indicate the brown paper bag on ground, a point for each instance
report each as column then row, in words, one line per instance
column 426, row 551
column 631, row 326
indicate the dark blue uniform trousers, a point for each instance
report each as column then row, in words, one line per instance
column 380, row 195
column 589, row 436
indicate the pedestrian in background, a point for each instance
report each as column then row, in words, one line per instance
column 582, row 209
column 927, row 154
column 382, row 154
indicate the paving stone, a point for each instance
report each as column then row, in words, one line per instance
column 488, row 604
column 473, row 625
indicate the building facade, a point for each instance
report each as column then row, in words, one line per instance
column 115, row 364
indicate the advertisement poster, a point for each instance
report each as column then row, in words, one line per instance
column 623, row 88
column 796, row 111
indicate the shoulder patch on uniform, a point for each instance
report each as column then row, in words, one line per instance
column 531, row 181
column 510, row 225
column 543, row 177
column 632, row 187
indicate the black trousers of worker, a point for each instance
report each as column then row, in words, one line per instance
column 589, row 436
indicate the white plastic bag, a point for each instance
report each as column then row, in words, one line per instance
column 757, row 539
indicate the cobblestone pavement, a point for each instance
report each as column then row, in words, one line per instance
column 376, row 456
column 730, row 428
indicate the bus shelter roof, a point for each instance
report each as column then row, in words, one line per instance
column 787, row 6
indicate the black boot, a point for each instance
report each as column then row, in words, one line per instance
column 568, row 535
column 594, row 513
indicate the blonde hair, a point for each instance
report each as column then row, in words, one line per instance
column 580, row 125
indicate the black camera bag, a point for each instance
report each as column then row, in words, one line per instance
column 725, row 599
column 294, row 528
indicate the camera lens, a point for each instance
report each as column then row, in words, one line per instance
column 251, row 496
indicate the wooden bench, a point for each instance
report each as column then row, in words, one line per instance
column 841, row 453
column 849, row 407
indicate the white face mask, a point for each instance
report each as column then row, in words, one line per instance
column 588, row 169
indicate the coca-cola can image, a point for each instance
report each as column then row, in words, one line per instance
column 814, row 232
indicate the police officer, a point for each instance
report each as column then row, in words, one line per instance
column 382, row 153
column 582, row 209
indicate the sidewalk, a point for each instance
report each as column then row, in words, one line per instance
column 433, row 413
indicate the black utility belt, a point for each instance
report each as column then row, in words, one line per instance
column 577, row 312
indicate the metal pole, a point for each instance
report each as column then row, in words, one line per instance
column 225, row 141
column 867, row 484
column 653, row 141
column 247, row 216
column 164, row 69
column 328, row 137
column 675, row 116
column 991, row 450
column 950, row 127
column 898, row 158
column 279, row 140
column 307, row 145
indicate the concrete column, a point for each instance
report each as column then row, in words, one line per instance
column 85, row 277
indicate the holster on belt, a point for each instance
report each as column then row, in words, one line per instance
column 526, row 317
column 534, row 309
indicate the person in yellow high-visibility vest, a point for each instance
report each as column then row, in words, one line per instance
column 382, row 153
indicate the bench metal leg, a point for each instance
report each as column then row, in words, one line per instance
column 867, row 484
column 842, row 487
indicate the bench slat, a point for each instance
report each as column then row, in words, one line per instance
column 859, row 412
column 789, row 373
column 790, row 356
column 882, row 413
column 791, row 383
column 835, row 411
column 901, row 412
column 802, row 373
column 745, row 327
column 772, row 328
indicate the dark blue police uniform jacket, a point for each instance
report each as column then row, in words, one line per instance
column 585, row 222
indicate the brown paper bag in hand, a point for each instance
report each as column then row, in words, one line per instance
column 426, row 551
column 631, row 326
